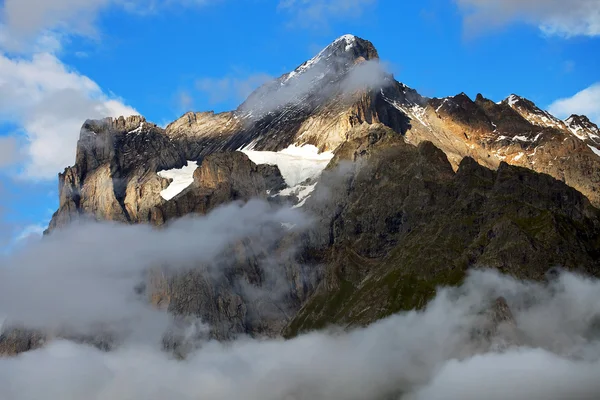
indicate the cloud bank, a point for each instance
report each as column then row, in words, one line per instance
column 553, row 353
column 456, row 348
column 553, row 17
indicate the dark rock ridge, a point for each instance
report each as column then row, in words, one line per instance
column 402, row 222
column 419, row 191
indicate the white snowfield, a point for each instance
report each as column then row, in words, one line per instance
column 296, row 164
column 182, row 178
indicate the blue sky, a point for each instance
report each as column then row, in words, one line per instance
column 63, row 61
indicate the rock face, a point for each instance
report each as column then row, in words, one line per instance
column 15, row 341
column 419, row 190
column 514, row 131
column 114, row 177
column 222, row 178
column 401, row 222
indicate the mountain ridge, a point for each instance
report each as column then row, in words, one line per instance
column 417, row 191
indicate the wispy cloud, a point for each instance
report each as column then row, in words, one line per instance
column 585, row 102
column 31, row 231
column 553, row 17
column 231, row 88
column 319, row 13
column 9, row 151
column 184, row 100
column 300, row 85
column 44, row 286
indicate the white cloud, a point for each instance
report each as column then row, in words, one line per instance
column 220, row 90
column 27, row 18
column 43, row 286
column 9, row 151
column 317, row 13
column 453, row 349
column 50, row 102
column 554, row 17
column 586, row 102
column 428, row 355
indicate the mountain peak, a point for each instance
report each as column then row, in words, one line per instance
column 532, row 113
column 583, row 128
column 318, row 78
column 350, row 43
column 343, row 51
column 513, row 99
column 349, row 39
column 578, row 119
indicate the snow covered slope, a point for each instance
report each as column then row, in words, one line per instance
column 297, row 164
column 182, row 179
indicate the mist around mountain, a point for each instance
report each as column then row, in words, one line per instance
column 338, row 236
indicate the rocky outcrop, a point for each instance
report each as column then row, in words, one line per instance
column 19, row 340
column 232, row 294
column 514, row 131
column 220, row 179
column 114, row 177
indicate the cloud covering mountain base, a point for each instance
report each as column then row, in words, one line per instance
column 550, row 351
column 455, row 348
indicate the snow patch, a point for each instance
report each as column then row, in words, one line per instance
column 595, row 150
column 520, row 138
column 297, row 164
column 583, row 130
column 512, row 100
column 288, row 225
column 303, row 192
column 138, row 129
column 437, row 110
column 182, row 179
column 350, row 41
column 411, row 109
column 578, row 132
column 249, row 146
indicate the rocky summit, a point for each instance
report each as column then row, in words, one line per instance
column 404, row 193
